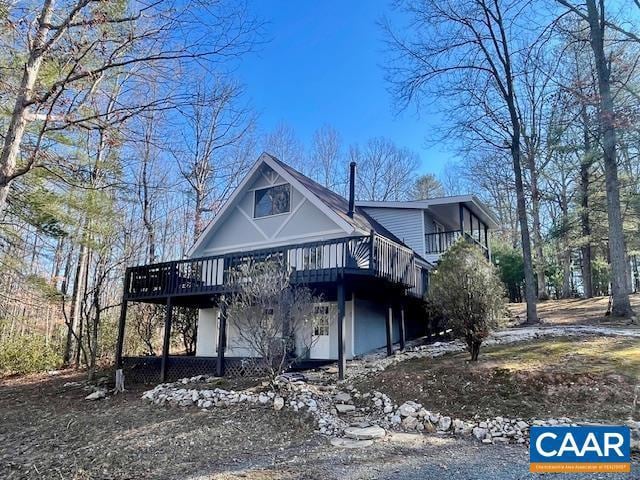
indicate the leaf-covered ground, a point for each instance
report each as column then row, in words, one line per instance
column 590, row 378
column 575, row 311
column 50, row 431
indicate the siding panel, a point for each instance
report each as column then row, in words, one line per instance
column 406, row 224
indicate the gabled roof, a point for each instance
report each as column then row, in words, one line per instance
column 329, row 202
column 361, row 221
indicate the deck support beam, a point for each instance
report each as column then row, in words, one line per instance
column 389, row 330
column 166, row 343
column 342, row 361
column 121, row 326
column 222, row 339
column 403, row 335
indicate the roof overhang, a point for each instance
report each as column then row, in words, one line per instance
column 478, row 207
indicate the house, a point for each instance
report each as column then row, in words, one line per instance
column 370, row 261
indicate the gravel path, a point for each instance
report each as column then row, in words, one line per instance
column 410, row 457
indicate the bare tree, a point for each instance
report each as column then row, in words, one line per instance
column 385, row 171
column 285, row 145
column 209, row 155
column 464, row 51
column 328, row 167
column 490, row 176
column 595, row 16
column 91, row 40
column 274, row 319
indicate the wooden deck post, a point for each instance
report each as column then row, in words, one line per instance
column 461, row 213
column 121, row 327
column 389, row 329
column 403, row 334
column 222, row 339
column 167, row 339
column 342, row 362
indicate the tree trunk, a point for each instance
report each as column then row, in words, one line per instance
column 621, row 305
column 529, row 278
column 197, row 214
column 585, row 221
column 537, row 235
column 76, row 299
column 18, row 122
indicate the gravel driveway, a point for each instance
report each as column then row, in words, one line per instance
column 409, row 457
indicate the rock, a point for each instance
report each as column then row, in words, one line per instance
column 487, row 440
column 262, row 398
column 388, row 409
column 430, row 427
column 422, row 413
column 97, row 395
column 409, row 423
column 406, row 410
column 368, row 433
column 278, row 403
column 395, row 420
column 344, row 408
column 434, row 418
column 479, row 433
column 458, row 426
column 444, row 424
column 291, row 377
column 522, row 424
column 342, row 397
column 350, row 443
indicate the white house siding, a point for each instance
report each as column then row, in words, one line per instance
column 239, row 231
column 207, row 339
column 370, row 326
column 404, row 223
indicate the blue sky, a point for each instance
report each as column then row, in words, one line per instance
column 323, row 64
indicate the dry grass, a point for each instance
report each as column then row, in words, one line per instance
column 575, row 311
column 588, row 378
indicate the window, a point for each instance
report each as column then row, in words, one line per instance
column 321, row 315
column 272, row 201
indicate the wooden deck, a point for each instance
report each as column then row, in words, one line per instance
column 309, row 263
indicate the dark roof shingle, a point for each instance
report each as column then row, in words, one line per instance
column 361, row 220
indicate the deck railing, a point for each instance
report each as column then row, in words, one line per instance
column 308, row 263
column 440, row 242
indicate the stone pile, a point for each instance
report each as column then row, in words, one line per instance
column 295, row 395
column 353, row 426
column 412, row 416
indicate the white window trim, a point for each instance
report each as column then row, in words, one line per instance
column 275, row 214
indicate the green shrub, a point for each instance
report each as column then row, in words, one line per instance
column 469, row 294
column 28, row 354
column 601, row 274
column 510, row 268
